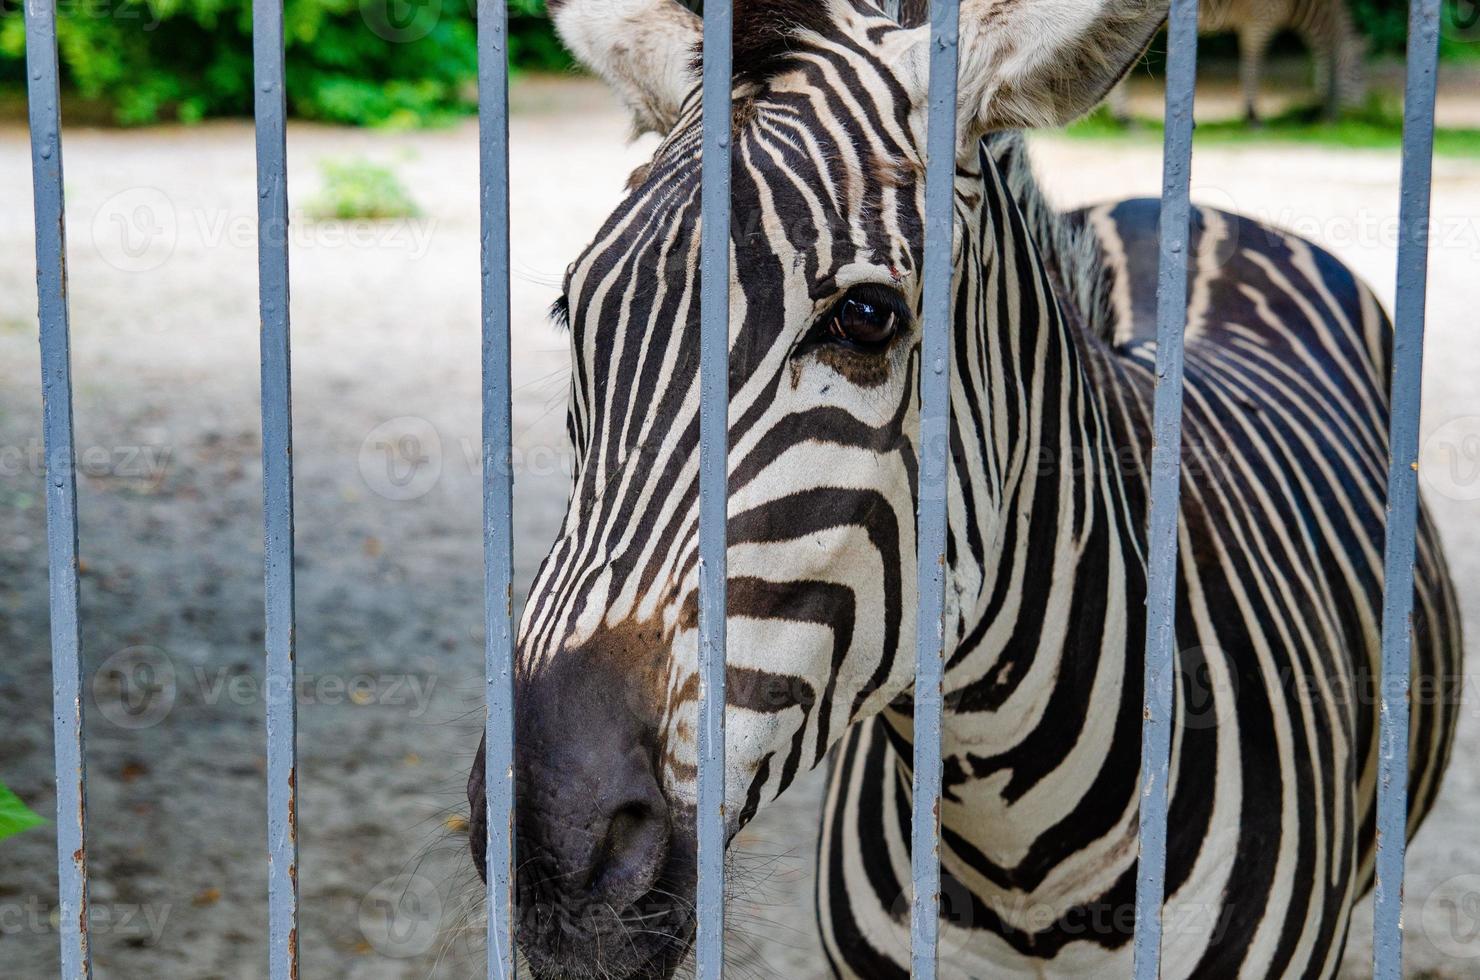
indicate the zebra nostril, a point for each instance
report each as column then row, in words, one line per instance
column 630, row 856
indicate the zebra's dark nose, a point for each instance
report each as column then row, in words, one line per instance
column 621, row 843
column 602, row 872
column 591, row 818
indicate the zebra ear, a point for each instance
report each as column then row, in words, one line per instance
column 1033, row 63
column 642, row 48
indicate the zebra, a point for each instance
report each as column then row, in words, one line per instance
column 1325, row 26
column 1281, row 525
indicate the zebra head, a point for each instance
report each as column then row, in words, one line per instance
column 828, row 188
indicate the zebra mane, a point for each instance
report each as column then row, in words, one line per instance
column 763, row 31
column 908, row 13
column 1071, row 250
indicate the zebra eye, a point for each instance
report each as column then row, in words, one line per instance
column 863, row 320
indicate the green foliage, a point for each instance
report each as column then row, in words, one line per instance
column 1376, row 125
column 359, row 189
column 363, row 62
column 386, row 62
column 1385, row 25
column 15, row 816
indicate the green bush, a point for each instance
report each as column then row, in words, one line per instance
column 1385, row 25
column 358, row 190
column 381, row 62
column 363, row 62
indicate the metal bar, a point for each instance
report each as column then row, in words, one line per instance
column 1166, row 473
column 277, row 489
column 61, row 485
column 714, row 406
column 935, row 454
column 1402, row 497
column 498, row 483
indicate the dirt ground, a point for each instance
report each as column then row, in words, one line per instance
column 385, row 332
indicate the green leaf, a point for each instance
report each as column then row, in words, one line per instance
column 15, row 816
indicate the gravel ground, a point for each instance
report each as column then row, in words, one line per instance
column 390, row 625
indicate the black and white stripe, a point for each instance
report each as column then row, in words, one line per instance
column 1271, row 825
column 1284, row 451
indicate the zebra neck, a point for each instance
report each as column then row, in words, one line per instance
column 1047, row 581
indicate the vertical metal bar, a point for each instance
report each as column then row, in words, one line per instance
column 1402, row 498
column 277, row 489
column 61, row 484
column 498, row 483
column 935, row 444
column 1166, row 472
column 714, row 407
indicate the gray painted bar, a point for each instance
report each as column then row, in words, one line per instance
column 498, row 482
column 277, row 489
column 714, row 403
column 935, row 454
column 1402, row 496
column 44, row 104
column 1166, row 473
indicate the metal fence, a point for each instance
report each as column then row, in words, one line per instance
column 282, row 850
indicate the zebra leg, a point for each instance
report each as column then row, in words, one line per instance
column 1338, row 51
column 1349, row 71
column 1324, row 62
column 1253, row 39
column 1325, row 44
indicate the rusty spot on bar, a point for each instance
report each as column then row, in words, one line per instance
column 293, row 802
column 82, row 914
